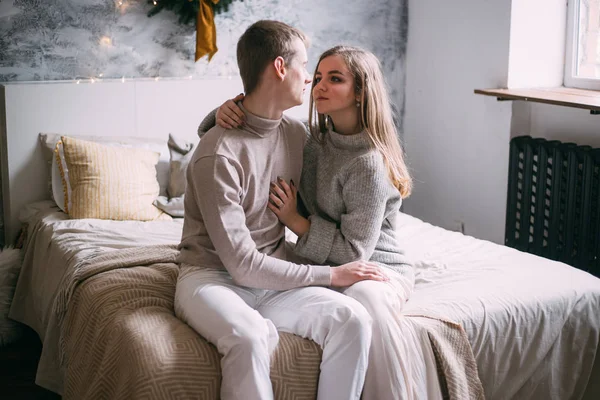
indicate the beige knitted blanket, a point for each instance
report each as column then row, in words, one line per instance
column 121, row 340
column 456, row 366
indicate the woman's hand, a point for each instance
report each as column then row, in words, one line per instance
column 229, row 115
column 283, row 203
column 356, row 271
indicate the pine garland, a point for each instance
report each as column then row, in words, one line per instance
column 187, row 9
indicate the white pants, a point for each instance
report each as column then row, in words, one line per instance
column 401, row 362
column 243, row 322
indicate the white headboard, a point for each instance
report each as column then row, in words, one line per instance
column 144, row 108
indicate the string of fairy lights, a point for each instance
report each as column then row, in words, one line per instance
column 122, row 6
column 106, row 41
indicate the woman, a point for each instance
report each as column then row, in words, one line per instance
column 353, row 181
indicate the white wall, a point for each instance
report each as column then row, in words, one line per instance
column 556, row 123
column 142, row 108
column 537, row 54
column 457, row 142
column 537, row 43
column 536, row 59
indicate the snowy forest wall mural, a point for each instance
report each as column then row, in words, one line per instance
column 80, row 39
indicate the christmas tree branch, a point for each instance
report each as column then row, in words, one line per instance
column 187, row 9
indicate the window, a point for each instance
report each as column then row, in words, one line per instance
column 582, row 66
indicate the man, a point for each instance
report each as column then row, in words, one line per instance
column 236, row 287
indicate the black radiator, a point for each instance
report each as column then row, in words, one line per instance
column 553, row 204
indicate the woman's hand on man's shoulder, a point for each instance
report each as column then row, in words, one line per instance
column 230, row 115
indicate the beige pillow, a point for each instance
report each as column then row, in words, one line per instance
column 110, row 182
column 49, row 141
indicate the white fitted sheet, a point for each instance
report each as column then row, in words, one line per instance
column 533, row 323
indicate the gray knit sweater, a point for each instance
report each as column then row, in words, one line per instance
column 351, row 202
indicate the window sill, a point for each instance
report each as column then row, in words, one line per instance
column 560, row 96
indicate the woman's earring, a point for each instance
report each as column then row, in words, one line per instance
column 358, row 104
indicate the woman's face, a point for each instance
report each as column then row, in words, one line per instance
column 333, row 92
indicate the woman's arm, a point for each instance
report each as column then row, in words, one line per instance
column 301, row 206
column 366, row 191
column 228, row 116
column 283, row 202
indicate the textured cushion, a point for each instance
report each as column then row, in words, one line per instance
column 48, row 143
column 109, row 182
column 181, row 153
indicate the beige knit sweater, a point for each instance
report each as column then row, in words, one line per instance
column 227, row 223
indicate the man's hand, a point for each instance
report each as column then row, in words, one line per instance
column 229, row 115
column 356, row 271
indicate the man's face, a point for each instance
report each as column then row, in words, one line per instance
column 297, row 77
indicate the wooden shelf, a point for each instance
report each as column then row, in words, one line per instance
column 560, row 96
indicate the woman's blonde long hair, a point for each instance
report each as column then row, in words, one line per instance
column 375, row 112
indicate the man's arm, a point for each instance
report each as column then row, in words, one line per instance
column 217, row 189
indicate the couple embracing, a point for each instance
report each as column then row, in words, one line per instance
column 338, row 188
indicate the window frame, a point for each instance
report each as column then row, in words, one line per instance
column 571, row 51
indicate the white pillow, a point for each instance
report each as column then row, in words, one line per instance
column 57, row 183
column 181, row 152
column 173, row 206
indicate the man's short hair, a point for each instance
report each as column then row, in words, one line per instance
column 262, row 43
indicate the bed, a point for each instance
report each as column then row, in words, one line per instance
column 100, row 295
column 526, row 318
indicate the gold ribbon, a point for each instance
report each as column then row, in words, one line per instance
column 206, row 31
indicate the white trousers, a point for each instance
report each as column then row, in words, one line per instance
column 401, row 362
column 243, row 322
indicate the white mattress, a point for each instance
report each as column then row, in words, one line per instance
column 533, row 323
